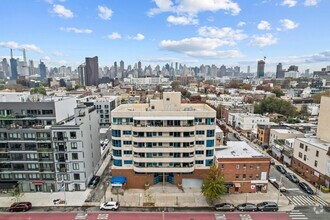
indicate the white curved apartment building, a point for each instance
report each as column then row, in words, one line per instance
column 163, row 141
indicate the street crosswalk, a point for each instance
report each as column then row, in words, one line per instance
column 307, row 200
column 296, row 214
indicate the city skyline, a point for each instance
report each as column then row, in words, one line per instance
column 164, row 31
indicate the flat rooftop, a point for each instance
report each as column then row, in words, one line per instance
column 237, row 149
column 317, row 142
column 287, row 131
column 145, row 108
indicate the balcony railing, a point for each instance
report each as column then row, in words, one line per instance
column 45, row 150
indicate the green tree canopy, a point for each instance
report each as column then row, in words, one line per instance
column 39, row 90
column 278, row 92
column 275, row 105
column 213, row 184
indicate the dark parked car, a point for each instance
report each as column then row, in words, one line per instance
column 292, row 177
column 306, row 188
column 225, row 207
column 267, row 207
column 93, row 182
column 247, row 207
column 20, row 206
column 281, row 169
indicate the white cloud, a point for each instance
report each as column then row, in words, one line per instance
column 57, row 54
column 9, row 44
column 311, row 2
column 288, row 24
column 193, row 7
column 27, row 47
column 46, row 58
column 263, row 40
column 200, row 47
column 31, row 47
column 104, row 12
column 226, row 33
column 137, row 37
column 76, row 30
column 182, row 20
column 241, row 24
column 264, row 25
column 114, row 36
column 289, row 3
column 63, row 12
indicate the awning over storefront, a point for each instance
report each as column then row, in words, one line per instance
column 38, row 182
column 237, row 185
column 229, row 184
column 118, row 180
column 8, row 184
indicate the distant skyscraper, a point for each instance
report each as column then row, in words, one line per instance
column 42, row 70
column 248, row 70
column 121, row 66
column 92, row 71
column 82, row 74
column 13, row 66
column 140, row 69
column 5, row 67
column 261, row 69
column 116, row 68
column 31, row 67
column 279, row 71
column 293, row 68
column 222, row 71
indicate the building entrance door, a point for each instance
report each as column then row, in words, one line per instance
column 38, row 188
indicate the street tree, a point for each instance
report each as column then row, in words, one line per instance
column 213, row 184
column 17, row 193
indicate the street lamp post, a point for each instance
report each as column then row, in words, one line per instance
column 279, row 189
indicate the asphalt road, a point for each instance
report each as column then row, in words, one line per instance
column 147, row 216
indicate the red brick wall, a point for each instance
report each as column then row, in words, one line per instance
column 229, row 171
column 308, row 172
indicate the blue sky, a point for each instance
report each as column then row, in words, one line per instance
column 230, row 32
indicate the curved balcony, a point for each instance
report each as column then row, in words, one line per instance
column 163, row 159
column 164, row 139
column 163, row 149
column 164, row 169
column 163, row 129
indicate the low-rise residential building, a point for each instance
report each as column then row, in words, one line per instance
column 247, row 121
column 163, row 141
column 282, row 134
column 263, row 132
column 244, row 168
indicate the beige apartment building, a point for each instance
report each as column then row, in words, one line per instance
column 312, row 155
column 163, row 141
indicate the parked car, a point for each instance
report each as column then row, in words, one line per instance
column 247, row 207
column 113, row 206
column 279, row 186
column 272, row 162
column 281, row 169
column 20, row 206
column 93, row 182
column 292, row 177
column 225, row 207
column 267, row 206
column 271, row 178
column 306, row 188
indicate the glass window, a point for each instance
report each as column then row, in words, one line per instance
column 199, row 162
column 73, row 135
column 199, row 152
column 209, row 153
column 74, row 156
column 200, row 142
column 116, row 133
column 210, row 143
column 75, row 166
column 128, row 162
column 76, row 176
column 200, row 132
column 74, row 145
column 117, row 163
column 208, row 162
column 127, row 132
column 210, row 133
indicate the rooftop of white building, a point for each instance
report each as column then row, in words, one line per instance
column 317, row 142
column 237, row 149
column 286, row 131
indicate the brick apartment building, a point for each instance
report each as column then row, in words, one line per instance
column 245, row 169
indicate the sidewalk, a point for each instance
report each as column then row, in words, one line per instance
column 170, row 196
column 44, row 199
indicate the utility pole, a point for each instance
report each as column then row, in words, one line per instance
column 279, row 189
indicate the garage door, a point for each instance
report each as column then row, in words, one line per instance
column 192, row 183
